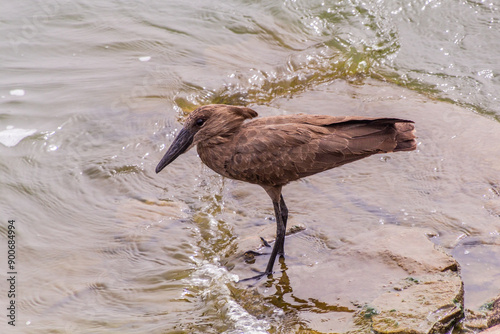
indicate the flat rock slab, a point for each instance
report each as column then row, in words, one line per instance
column 428, row 301
column 430, row 304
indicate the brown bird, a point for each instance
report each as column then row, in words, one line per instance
column 273, row 151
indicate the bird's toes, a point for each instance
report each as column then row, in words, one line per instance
column 256, row 278
column 264, row 242
column 249, row 256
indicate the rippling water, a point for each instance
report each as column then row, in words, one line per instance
column 92, row 93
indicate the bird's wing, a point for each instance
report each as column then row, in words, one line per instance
column 319, row 120
column 277, row 153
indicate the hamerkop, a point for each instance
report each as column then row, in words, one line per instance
column 273, row 151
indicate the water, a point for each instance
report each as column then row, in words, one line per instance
column 92, row 93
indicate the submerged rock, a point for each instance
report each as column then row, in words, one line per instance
column 430, row 304
column 428, row 301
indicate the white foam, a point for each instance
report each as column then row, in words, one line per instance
column 17, row 92
column 212, row 278
column 11, row 136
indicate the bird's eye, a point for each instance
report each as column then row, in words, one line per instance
column 200, row 121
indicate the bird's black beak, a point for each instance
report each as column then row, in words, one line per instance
column 181, row 143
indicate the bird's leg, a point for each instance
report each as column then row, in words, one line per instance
column 281, row 213
column 280, row 238
column 284, row 217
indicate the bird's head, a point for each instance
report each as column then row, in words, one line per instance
column 205, row 123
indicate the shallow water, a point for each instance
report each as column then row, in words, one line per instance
column 91, row 94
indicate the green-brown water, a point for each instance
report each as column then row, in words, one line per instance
column 94, row 93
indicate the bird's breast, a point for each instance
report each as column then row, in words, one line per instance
column 227, row 161
column 216, row 157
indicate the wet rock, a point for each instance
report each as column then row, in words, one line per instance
column 494, row 316
column 488, row 316
column 474, row 321
column 430, row 304
column 428, row 301
column 405, row 248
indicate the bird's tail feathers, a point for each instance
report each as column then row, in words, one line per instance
column 405, row 137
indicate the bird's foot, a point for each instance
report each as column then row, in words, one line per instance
column 256, row 278
column 250, row 255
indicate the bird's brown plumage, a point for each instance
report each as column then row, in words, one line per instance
column 273, row 151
